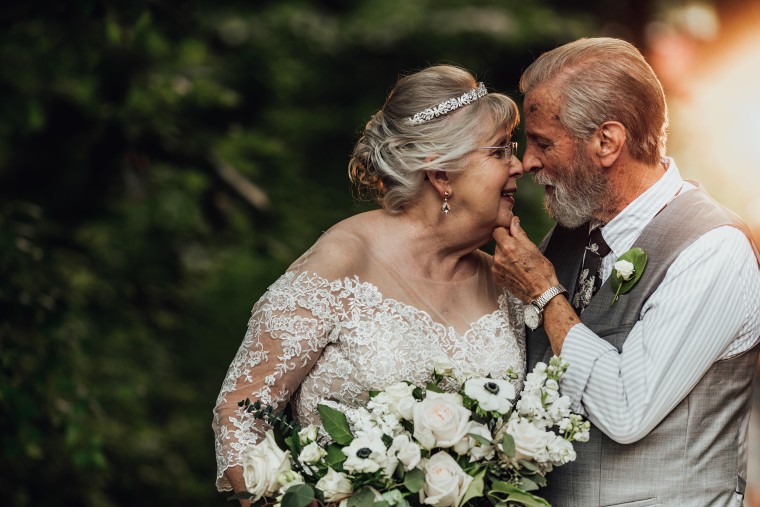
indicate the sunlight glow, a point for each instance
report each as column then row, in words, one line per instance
column 715, row 118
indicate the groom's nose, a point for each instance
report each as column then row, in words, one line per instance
column 530, row 162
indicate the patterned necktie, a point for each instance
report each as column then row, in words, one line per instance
column 590, row 277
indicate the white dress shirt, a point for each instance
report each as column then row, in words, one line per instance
column 707, row 308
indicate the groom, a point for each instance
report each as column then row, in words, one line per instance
column 663, row 372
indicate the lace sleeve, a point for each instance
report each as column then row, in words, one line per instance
column 289, row 327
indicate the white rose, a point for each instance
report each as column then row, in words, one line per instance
column 445, row 481
column 398, row 391
column 475, row 449
column 308, row 434
column 335, row 486
column 407, row 452
column 624, row 270
column 311, row 454
column 493, row 395
column 263, row 464
column 365, row 454
column 440, row 420
column 530, row 442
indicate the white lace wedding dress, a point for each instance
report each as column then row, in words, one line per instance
column 341, row 322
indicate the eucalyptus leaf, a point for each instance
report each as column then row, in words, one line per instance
column 414, row 480
column 479, row 438
column 361, row 498
column 528, row 484
column 528, row 465
column 300, row 495
column 335, row 424
column 508, row 445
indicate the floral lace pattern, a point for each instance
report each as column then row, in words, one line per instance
column 312, row 340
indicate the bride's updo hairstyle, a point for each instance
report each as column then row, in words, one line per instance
column 389, row 160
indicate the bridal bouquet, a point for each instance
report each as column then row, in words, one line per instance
column 410, row 447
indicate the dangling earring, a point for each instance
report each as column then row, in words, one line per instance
column 445, row 206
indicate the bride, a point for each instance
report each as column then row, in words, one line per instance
column 384, row 295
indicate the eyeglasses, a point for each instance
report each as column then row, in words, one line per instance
column 509, row 149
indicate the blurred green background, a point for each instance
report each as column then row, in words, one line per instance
column 162, row 162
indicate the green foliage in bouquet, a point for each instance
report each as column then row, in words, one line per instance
column 458, row 442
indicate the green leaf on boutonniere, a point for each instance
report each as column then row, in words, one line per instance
column 335, row 424
column 630, row 265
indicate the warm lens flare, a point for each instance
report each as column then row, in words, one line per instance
column 714, row 103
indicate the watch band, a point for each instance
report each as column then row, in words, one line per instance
column 547, row 296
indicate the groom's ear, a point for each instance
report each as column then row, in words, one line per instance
column 609, row 141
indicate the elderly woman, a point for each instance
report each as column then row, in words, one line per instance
column 385, row 294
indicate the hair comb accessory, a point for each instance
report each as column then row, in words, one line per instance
column 447, row 106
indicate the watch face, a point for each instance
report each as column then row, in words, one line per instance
column 532, row 316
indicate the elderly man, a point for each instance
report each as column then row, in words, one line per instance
column 662, row 353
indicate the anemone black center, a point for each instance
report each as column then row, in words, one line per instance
column 491, row 387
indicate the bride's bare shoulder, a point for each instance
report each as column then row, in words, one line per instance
column 345, row 244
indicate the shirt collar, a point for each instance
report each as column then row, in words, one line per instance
column 622, row 231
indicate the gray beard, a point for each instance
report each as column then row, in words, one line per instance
column 577, row 196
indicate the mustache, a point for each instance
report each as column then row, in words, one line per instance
column 542, row 179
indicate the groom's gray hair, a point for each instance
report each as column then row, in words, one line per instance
column 605, row 79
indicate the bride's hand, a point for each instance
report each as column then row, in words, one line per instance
column 518, row 264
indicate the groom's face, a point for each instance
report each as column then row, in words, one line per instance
column 575, row 184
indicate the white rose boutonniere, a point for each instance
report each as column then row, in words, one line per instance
column 624, row 270
column 627, row 270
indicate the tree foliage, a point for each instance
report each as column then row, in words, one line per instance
column 160, row 164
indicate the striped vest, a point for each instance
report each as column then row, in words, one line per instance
column 697, row 455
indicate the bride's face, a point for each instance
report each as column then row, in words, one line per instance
column 484, row 192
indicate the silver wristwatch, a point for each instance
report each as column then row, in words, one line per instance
column 534, row 311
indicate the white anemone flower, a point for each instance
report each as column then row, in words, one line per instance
column 494, row 395
column 365, row 454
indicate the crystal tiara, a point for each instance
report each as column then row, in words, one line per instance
column 447, row 106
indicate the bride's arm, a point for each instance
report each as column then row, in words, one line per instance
column 235, row 477
column 288, row 329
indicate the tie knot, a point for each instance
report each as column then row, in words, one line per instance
column 597, row 244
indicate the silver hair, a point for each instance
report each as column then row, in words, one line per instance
column 390, row 159
column 605, row 79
